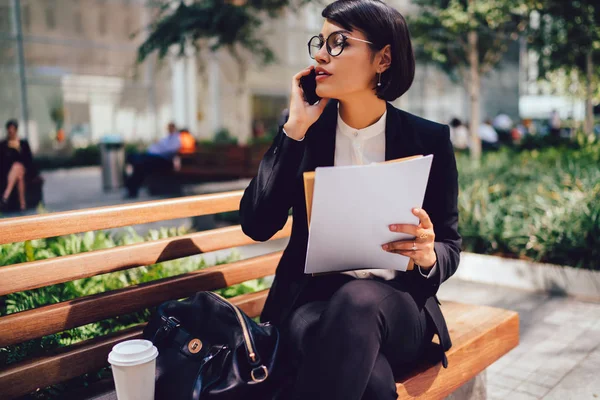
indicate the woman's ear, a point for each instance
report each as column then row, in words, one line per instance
column 385, row 60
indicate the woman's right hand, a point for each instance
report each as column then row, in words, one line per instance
column 302, row 115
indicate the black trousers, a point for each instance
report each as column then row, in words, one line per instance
column 144, row 165
column 349, row 338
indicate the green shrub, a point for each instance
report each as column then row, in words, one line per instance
column 223, row 136
column 540, row 205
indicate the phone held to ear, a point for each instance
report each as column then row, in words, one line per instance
column 309, row 87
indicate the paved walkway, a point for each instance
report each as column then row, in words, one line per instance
column 79, row 188
column 559, row 353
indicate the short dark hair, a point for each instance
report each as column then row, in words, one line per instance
column 381, row 25
column 12, row 122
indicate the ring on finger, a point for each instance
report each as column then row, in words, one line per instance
column 414, row 247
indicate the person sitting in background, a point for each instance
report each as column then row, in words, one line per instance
column 555, row 124
column 459, row 135
column 488, row 136
column 158, row 157
column 16, row 162
column 188, row 142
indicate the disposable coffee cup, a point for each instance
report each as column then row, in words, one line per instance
column 133, row 364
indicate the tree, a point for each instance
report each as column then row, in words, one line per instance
column 566, row 36
column 466, row 39
column 213, row 24
column 210, row 25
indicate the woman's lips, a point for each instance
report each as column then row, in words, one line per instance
column 320, row 78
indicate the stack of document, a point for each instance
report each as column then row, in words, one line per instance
column 350, row 210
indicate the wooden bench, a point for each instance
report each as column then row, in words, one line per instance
column 187, row 170
column 480, row 334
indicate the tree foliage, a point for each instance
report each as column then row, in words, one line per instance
column 212, row 24
column 440, row 31
column 563, row 33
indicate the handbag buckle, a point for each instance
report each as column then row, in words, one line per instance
column 171, row 323
column 259, row 374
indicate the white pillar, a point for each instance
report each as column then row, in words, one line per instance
column 191, row 97
column 178, row 77
column 151, row 115
column 214, row 94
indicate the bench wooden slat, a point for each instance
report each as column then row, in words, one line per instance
column 38, row 322
column 87, row 356
column 480, row 335
column 63, row 223
column 35, row 274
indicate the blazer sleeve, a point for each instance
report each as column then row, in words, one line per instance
column 444, row 214
column 267, row 200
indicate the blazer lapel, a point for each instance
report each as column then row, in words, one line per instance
column 401, row 140
column 322, row 140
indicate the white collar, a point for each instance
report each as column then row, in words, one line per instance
column 366, row 133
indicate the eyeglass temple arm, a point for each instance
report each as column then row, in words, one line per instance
column 360, row 40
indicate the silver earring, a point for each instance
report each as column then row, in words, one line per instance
column 379, row 81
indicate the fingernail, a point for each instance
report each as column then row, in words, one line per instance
column 385, row 246
column 417, row 210
column 393, row 227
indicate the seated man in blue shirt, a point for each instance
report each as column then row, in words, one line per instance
column 159, row 156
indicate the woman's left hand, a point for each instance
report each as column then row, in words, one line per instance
column 420, row 249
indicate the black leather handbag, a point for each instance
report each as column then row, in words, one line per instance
column 209, row 349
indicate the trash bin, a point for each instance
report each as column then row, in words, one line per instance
column 112, row 160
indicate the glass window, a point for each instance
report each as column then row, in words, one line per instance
column 102, row 22
column 10, row 97
column 77, row 23
column 50, row 15
column 86, row 86
column 26, row 17
column 5, row 17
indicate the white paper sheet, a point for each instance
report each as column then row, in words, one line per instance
column 352, row 209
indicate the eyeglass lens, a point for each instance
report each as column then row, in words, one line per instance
column 335, row 45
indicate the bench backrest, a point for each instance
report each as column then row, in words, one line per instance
column 24, row 377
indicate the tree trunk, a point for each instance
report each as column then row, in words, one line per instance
column 589, row 109
column 474, row 92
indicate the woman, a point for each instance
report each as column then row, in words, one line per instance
column 349, row 333
column 16, row 162
column 459, row 135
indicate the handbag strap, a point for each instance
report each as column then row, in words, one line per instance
column 168, row 325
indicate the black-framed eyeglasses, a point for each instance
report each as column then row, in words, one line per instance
column 335, row 43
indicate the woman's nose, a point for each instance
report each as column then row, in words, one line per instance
column 322, row 55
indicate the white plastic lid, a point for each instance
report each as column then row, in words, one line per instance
column 132, row 352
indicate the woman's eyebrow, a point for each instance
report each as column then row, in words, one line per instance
column 338, row 31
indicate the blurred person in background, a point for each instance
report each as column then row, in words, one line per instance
column 188, row 142
column 503, row 125
column 488, row 136
column 158, row 157
column 16, row 163
column 459, row 134
column 555, row 123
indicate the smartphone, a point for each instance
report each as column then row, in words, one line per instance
column 309, row 86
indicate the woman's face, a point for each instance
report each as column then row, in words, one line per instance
column 351, row 73
column 12, row 132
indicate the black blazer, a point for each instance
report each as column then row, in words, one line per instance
column 279, row 186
